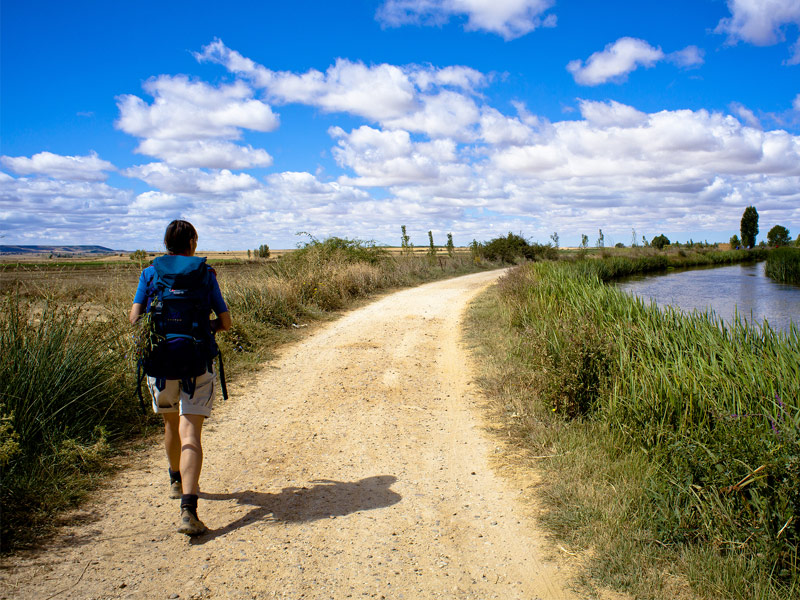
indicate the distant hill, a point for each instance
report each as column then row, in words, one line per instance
column 56, row 250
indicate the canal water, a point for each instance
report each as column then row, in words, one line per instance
column 725, row 290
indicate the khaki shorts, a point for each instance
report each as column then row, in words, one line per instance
column 173, row 398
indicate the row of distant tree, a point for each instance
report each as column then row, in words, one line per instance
column 748, row 228
column 513, row 244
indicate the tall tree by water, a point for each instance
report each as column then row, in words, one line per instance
column 749, row 227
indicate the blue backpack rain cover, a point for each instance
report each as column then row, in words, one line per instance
column 180, row 311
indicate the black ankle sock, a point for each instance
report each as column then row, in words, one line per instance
column 189, row 501
column 174, row 475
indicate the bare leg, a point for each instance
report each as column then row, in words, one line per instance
column 172, row 440
column 191, row 452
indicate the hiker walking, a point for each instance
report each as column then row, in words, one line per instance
column 177, row 293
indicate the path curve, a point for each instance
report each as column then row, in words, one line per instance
column 354, row 465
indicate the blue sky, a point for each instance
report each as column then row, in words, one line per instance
column 257, row 120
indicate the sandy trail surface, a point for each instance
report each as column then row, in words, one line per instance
column 354, row 465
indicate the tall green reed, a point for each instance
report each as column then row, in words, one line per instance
column 713, row 405
column 783, row 264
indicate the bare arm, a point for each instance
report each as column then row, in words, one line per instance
column 222, row 322
column 136, row 312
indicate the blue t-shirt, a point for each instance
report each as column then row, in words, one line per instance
column 146, row 291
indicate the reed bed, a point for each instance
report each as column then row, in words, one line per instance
column 783, row 265
column 67, row 391
column 704, row 416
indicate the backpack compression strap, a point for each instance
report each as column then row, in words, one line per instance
column 222, row 376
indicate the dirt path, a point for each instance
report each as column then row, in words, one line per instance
column 354, row 466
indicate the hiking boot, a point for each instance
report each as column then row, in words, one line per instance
column 190, row 524
column 175, row 489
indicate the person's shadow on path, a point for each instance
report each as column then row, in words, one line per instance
column 325, row 499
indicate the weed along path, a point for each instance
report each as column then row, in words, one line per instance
column 355, row 465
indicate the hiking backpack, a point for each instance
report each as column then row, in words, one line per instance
column 183, row 345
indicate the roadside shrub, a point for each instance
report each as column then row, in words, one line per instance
column 511, row 248
column 336, row 248
column 660, row 241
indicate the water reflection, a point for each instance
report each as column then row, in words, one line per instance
column 724, row 290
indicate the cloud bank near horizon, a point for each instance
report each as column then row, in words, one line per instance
column 429, row 151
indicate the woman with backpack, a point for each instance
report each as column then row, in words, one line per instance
column 178, row 292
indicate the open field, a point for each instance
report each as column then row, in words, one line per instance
column 43, row 260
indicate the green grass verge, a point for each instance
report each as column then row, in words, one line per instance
column 672, row 440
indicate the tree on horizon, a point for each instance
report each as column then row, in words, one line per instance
column 778, row 236
column 749, row 226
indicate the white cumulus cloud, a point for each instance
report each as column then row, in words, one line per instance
column 421, row 146
column 498, row 129
column 507, row 18
column 389, row 158
column 435, row 101
column 192, row 110
column 191, row 123
column 616, row 140
column 446, row 114
column 615, row 61
column 611, row 114
column 38, row 209
column 212, row 154
column 627, row 54
column 191, row 181
column 375, row 92
column 691, row 56
column 745, row 114
column 760, row 22
column 81, row 168
column 159, row 202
